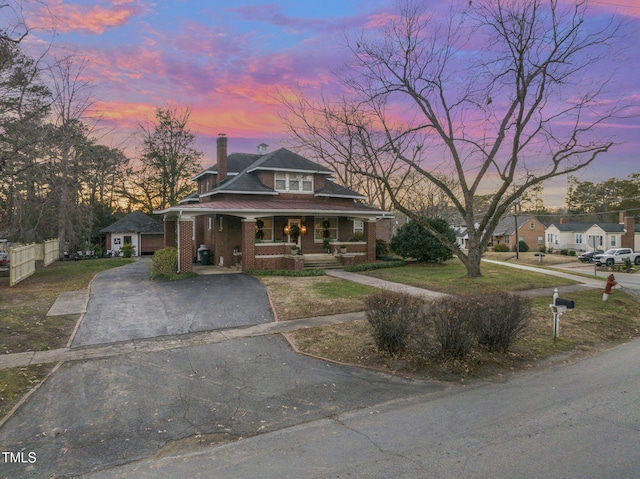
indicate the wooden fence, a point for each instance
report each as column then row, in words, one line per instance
column 22, row 259
column 22, row 262
column 51, row 251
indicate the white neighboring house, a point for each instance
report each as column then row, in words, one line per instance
column 592, row 236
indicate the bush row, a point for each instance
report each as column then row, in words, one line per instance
column 456, row 324
column 372, row 266
column 287, row 272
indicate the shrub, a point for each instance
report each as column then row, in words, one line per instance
column 543, row 249
column 572, row 253
column 414, row 241
column 522, row 246
column 382, row 248
column 287, row 272
column 128, row 250
column 564, row 252
column 501, row 248
column 164, row 262
column 452, row 319
column 372, row 266
column 391, row 317
column 499, row 319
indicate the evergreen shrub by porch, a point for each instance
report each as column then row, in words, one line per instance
column 501, row 248
column 164, row 262
column 523, row 247
column 391, row 318
column 413, row 241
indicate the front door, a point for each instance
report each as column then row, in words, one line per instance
column 295, row 236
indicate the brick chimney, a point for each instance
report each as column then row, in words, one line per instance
column 628, row 238
column 564, row 221
column 222, row 156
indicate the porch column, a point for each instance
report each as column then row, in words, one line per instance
column 185, row 246
column 169, row 233
column 248, row 243
column 370, row 235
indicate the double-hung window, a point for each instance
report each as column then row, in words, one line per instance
column 293, row 182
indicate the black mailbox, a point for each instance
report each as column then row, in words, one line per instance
column 568, row 303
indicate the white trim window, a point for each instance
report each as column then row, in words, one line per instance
column 293, row 182
column 614, row 241
column 358, row 226
column 578, row 238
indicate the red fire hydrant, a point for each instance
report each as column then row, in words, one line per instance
column 611, row 282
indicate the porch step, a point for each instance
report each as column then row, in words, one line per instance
column 323, row 261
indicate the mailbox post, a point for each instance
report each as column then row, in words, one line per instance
column 558, row 308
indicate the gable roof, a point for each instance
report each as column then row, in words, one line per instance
column 582, row 227
column 247, row 182
column 506, row 226
column 136, row 222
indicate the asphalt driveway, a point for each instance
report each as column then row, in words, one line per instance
column 124, row 304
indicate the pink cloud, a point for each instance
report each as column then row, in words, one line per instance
column 92, row 19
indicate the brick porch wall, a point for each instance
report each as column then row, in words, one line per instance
column 248, row 247
column 370, row 236
column 186, row 247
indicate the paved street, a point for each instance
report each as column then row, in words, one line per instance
column 572, row 421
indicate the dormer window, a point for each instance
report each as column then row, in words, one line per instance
column 294, row 182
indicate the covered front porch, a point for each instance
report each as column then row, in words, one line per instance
column 274, row 239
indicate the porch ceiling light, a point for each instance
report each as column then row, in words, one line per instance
column 286, row 229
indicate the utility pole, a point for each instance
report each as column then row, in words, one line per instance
column 516, row 203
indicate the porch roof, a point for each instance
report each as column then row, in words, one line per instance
column 256, row 207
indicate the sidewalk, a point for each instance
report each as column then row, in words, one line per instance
column 31, row 358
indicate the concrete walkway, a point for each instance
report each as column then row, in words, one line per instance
column 382, row 284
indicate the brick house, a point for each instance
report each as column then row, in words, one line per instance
column 251, row 209
column 529, row 228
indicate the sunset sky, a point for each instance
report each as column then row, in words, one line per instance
column 225, row 59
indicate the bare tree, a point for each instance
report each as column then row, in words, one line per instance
column 168, row 161
column 503, row 94
column 68, row 145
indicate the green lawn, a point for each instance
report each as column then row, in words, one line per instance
column 450, row 278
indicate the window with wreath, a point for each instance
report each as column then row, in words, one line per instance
column 326, row 229
column 293, row 182
column 264, row 229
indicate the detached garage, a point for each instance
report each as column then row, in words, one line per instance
column 145, row 233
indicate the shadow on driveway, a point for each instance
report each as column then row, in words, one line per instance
column 124, row 304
